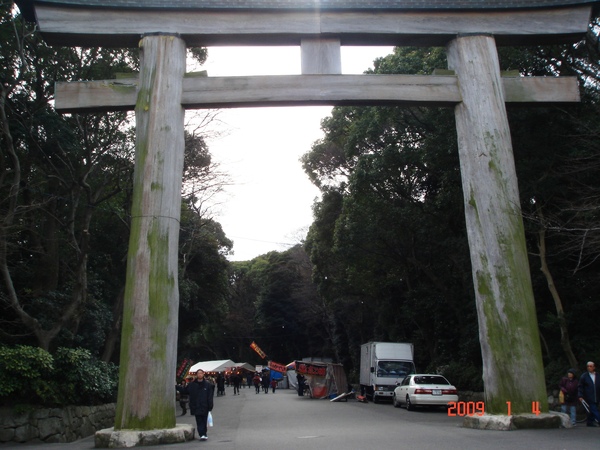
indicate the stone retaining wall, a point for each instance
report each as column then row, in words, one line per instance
column 55, row 425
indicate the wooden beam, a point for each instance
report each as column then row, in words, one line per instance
column 123, row 28
column 151, row 299
column 287, row 90
column 508, row 330
column 321, row 57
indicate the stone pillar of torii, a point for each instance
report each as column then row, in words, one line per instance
column 513, row 370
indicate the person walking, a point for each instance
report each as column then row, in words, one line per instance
column 236, row 380
column 589, row 390
column 201, row 394
column 184, row 399
column 265, row 382
column 569, row 388
column 256, row 381
column 220, row 384
column 273, row 384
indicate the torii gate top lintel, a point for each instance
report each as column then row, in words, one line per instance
column 120, row 23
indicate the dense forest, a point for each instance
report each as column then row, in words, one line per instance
column 386, row 257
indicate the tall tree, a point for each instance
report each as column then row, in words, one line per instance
column 388, row 237
column 556, row 152
column 391, row 214
column 58, row 172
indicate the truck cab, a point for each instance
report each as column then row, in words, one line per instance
column 383, row 366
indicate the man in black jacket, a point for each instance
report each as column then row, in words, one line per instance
column 201, row 394
column 589, row 390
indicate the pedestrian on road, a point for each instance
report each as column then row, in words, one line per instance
column 201, row 394
column 568, row 388
column 256, row 381
column 265, row 382
column 220, row 384
column 237, row 380
column 273, row 385
column 589, row 390
column 301, row 381
column 184, row 399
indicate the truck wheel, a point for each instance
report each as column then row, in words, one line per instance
column 375, row 398
column 409, row 405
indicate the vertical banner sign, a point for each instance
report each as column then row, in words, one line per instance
column 257, row 349
column 183, row 369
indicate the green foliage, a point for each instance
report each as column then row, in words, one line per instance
column 23, row 375
column 62, row 173
column 199, row 54
column 465, row 376
column 30, row 375
column 273, row 301
column 388, row 241
column 203, row 284
column 82, row 379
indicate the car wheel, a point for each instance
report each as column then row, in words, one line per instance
column 395, row 401
column 409, row 405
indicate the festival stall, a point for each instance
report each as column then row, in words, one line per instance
column 226, row 367
column 323, row 378
column 212, row 367
column 244, row 366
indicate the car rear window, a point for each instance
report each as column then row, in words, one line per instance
column 431, row 379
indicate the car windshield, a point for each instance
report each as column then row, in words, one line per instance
column 394, row 369
column 431, row 379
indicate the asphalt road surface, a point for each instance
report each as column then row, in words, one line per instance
column 284, row 420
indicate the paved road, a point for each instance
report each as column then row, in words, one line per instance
column 283, row 420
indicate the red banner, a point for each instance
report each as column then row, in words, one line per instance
column 306, row 368
column 257, row 349
column 277, row 367
column 183, row 369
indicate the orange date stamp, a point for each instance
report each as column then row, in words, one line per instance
column 462, row 409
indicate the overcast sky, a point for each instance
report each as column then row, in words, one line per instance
column 269, row 205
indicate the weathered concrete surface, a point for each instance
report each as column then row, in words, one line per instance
column 109, row 438
column 517, row 422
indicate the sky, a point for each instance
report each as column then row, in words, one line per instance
column 268, row 206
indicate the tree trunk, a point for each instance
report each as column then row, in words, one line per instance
column 565, row 342
column 113, row 335
column 149, row 335
column 508, row 330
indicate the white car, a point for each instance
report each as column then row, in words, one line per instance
column 424, row 390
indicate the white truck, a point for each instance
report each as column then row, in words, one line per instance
column 382, row 366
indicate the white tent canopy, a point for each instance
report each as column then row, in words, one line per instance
column 213, row 366
column 245, row 366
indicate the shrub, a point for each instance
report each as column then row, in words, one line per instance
column 465, row 377
column 84, row 380
column 23, row 375
column 30, row 375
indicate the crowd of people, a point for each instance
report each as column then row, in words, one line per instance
column 585, row 390
column 196, row 392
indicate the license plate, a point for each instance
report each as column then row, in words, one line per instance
column 436, row 392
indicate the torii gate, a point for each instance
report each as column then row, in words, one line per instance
column 513, row 370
